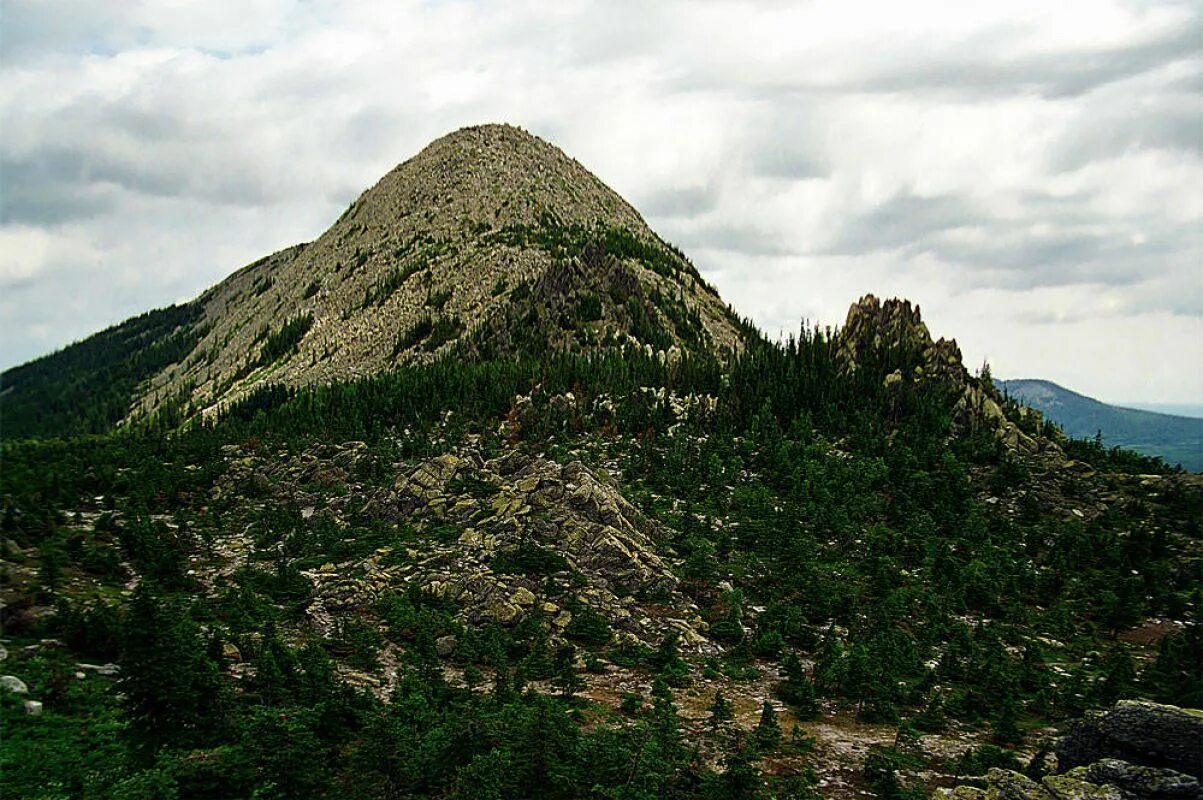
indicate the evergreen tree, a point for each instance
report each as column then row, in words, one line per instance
column 768, row 731
column 1006, row 729
column 565, row 677
column 721, row 711
column 797, row 689
column 1119, row 676
column 288, row 759
column 740, row 779
column 172, row 689
column 1176, row 676
column 932, row 718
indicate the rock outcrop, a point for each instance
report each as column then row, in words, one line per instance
column 874, row 327
column 1135, row 751
column 518, row 508
column 499, row 539
column 1141, row 733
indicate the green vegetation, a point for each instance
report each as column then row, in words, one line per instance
column 563, row 241
column 88, row 387
column 286, row 340
column 821, row 520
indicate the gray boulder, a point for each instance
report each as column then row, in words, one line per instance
column 13, row 684
column 1153, row 782
column 1140, row 733
column 445, row 646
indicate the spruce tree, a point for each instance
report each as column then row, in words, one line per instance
column 172, row 689
column 721, row 710
column 797, row 689
column 768, row 731
column 565, row 676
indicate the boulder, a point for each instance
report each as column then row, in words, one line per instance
column 1072, row 787
column 1004, row 784
column 1140, row 733
column 13, row 684
column 33, row 708
column 445, row 646
column 1152, row 782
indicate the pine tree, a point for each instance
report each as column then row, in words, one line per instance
column 932, row 718
column 797, row 689
column 721, row 710
column 666, row 725
column 565, row 676
column 768, row 731
column 1006, row 729
column 172, row 689
column 1119, row 675
column 740, row 779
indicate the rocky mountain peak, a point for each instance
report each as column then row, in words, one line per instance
column 896, row 327
column 897, row 324
column 495, row 175
column 489, row 242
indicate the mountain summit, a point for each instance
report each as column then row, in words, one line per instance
column 490, row 241
column 493, row 497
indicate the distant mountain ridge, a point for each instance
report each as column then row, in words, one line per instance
column 1177, row 439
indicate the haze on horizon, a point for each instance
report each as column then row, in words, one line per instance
column 1028, row 173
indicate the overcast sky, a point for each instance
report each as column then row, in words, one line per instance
column 1031, row 173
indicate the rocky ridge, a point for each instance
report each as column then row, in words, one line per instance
column 500, row 540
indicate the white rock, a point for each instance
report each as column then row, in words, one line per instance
column 33, row 708
column 14, row 684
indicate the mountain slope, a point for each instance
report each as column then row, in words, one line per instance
column 489, row 242
column 1179, row 440
column 86, row 388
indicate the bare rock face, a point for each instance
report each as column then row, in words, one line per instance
column 1138, row 732
column 521, row 507
column 1143, row 781
column 500, row 540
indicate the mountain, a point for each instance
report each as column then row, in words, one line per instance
column 486, row 494
column 1178, row 440
column 489, row 242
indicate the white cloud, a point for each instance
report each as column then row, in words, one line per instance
column 1027, row 171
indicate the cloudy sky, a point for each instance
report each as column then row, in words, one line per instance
column 1031, row 173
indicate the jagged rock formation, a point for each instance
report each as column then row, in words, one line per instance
column 1135, row 751
column 490, row 240
column 873, row 326
column 518, row 505
column 498, row 539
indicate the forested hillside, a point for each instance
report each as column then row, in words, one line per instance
column 610, row 542
column 90, row 386
column 841, row 558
